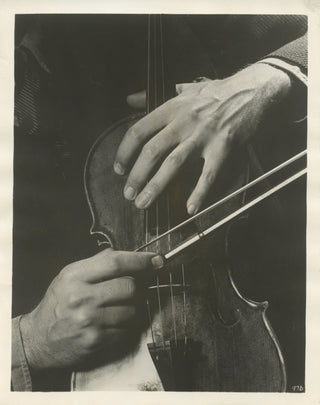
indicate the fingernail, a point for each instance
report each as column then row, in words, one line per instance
column 157, row 262
column 143, row 200
column 192, row 209
column 130, row 193
column 118, row 169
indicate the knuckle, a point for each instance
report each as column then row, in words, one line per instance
column 74, row 299
column 208, row 177
column 153, row 188
column 175, row 159
column 91, row 338
column 192, row 146
column 83, row 318
column 134, row 134
column 150, row 151
column 67, row 273
column 77, row 298
column 71, row 271
column 194, row 113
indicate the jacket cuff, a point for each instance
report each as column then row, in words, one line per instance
column 20, row 373
column 295, row 53
column 288, row 67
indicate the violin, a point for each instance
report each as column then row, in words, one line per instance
column 196, row 331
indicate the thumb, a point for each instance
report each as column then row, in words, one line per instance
column 137, row 100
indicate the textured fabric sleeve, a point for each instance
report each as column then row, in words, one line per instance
column 20, row 373
column 295, row 52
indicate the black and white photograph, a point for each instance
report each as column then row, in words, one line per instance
column 159, row 203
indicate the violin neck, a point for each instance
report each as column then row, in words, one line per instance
column 159, row 86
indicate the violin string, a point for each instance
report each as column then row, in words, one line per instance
column 184, row 307
column 173, row 311
column 184, row 304
column 155, row 65
column 148, row 302
column 147, row 211
column 155, row 90
column 148, row 69
column 229, row 196
column 158, row 280
column 170, row 278
column 162, row 61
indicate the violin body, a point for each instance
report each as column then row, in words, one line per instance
column 194, row 330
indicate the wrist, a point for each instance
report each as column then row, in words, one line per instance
column 276, row 83
column 28, row 332
column 297, row 98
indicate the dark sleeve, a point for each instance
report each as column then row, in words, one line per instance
column 235, row 41
column 295, row 52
